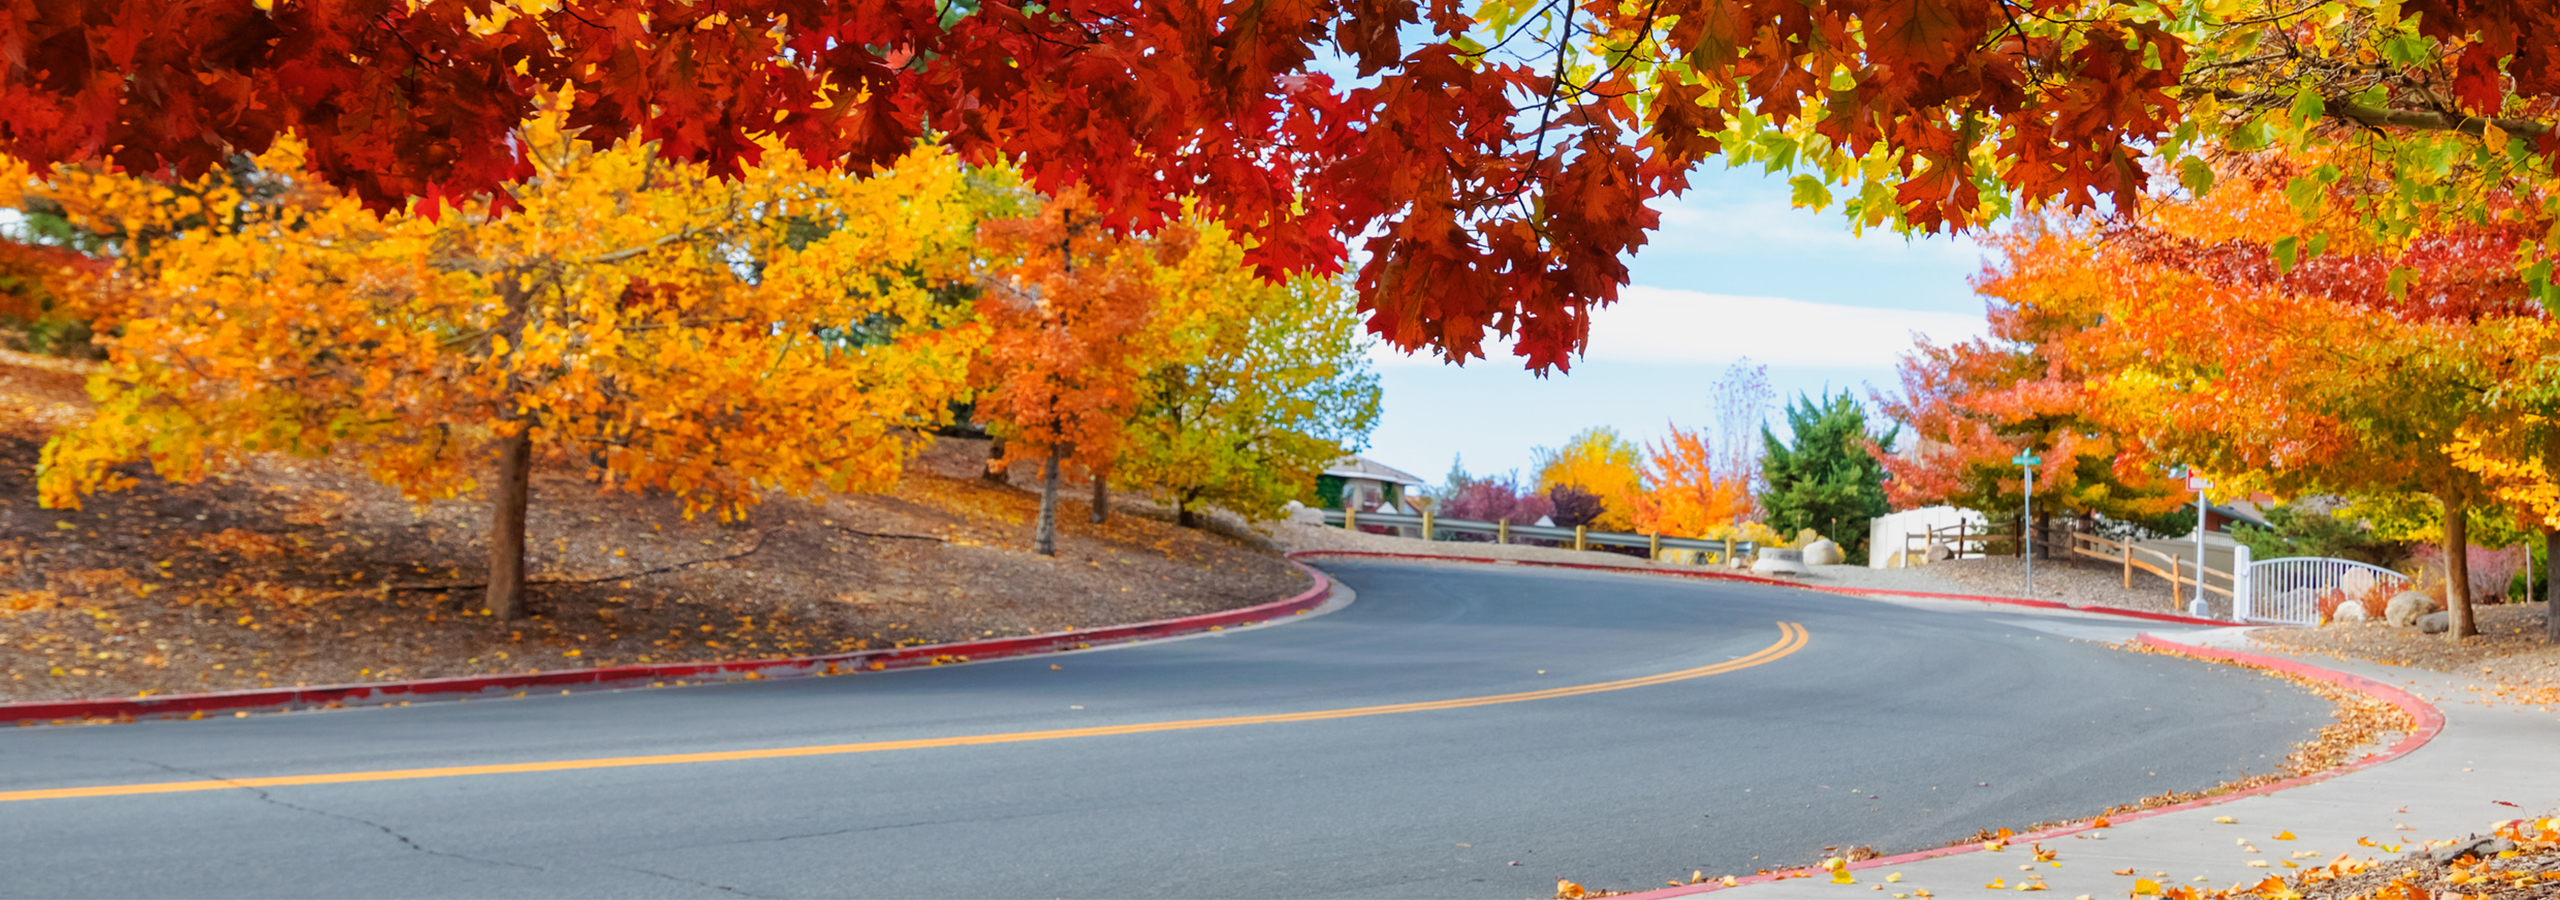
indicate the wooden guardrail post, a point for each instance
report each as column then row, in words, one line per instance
column 1426, row 524
column 1655, row 554
column 1502, row 531
column 1350, row 519
column 1578, row 532
column 2126, row 549
column 1957, row 551
column 2176, row 568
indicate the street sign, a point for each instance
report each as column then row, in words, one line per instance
column 2197, row 482
column 2027, row 459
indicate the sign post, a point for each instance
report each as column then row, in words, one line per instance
column 2196, row 482
column 2027, row 462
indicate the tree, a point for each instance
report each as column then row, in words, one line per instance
column 1686, row 492
column 1255, row 387
column 1599, row 463
column 1824, row 477
column 1972, row 407
column 632, row 316
column 1499, row 167
column 2286, row 377
column 1496, row 498
column 1065, row 300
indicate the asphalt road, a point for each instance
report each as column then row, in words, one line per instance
column 1880, row 730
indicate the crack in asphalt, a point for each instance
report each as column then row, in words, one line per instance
column 404, row 840
column 717, row 887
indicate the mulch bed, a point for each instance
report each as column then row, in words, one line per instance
column 2510, row 657
column 303, row 572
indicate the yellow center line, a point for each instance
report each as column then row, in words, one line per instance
column 1792, row 637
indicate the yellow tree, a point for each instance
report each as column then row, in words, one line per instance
column 1253, row 386
column 661, row 328
column 1601, row 463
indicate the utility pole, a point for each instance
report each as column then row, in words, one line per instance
column 2027, row 462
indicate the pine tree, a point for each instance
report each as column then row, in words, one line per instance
column 1826, row 481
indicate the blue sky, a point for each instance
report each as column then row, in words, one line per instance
column 1734, row 271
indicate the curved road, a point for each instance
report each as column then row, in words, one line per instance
column 1878, row 726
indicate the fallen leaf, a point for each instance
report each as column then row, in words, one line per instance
column 2227, row 820
column 2124, row 871
column 2257, row 864
column 1897, row 876
column 1566, row 890
column 2101, row 822
column 2146, row 886
column 1998, row 884
column 2284, row 835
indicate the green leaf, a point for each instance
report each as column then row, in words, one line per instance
column 2196, row 175
column 2319, row 245
column 2307, row 106
column 2304, row 193
column 1810, row 192
column 2399, row 282
column 2285, row 250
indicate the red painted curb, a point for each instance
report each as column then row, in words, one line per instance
column 333, row 696
column 2430, row 722
column 1755, row 579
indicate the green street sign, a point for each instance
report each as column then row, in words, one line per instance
column 2027, row 459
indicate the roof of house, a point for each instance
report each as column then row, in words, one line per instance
column 1364, row 467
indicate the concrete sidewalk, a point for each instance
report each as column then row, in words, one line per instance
column 2450, row 787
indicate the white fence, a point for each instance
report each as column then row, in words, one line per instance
column 2288, row 591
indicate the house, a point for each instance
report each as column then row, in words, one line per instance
column 1365, row 484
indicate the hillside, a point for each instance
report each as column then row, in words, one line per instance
column 296, row 571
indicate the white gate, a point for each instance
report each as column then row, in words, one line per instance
column 2289, row 591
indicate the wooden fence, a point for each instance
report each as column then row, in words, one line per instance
column 2173, row 567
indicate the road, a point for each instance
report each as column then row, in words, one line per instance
column 1764, row 724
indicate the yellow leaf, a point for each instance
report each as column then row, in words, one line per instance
column 1896, row 877
column 2284, row 835
column 1842, row 876
column 2146, row 887
column 1998, row 884
column 2227, row 820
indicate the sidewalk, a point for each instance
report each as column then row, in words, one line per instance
column 2451, row 787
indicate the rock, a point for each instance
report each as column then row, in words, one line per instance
column 1824, row 553
column 1938, row 550
column 2406, row 607
column 2480, row 847
column 2434, row 623
column 1779, row 561
column 2349, row 611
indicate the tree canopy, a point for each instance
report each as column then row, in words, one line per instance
column 1495, row 160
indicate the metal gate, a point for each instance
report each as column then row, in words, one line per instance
column 2289, row 590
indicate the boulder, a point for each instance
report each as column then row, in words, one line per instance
column 1824, row 553
column 2348, row 612
column 1779, row 561
column 2434, row 623
column 2405, row 608
column 1938, row 550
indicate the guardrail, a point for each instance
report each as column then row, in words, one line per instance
column 1581, row 537
column 2171, row 566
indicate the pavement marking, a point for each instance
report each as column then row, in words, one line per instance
column 1791, row 638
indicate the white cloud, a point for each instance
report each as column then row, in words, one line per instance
column 1661, row 326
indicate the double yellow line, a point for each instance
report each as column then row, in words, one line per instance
column 1791, row 638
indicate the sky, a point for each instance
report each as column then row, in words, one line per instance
column 1734, row 272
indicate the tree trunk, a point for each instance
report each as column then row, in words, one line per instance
column 995, row 472
column 506, row 525
column 2457, row 571
column 1101, row 499
column 1044, row 539
column 1182, row 514
column 2550, row 595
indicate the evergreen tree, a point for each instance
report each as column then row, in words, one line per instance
column 1826, row 480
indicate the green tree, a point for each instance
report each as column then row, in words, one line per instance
column 1826, row 480
column 1257, row 386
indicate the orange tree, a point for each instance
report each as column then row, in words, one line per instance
column 1068, row 303
column 1974, row 406
column 631, row 314
column 1687, row 493
column 2281, row 361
